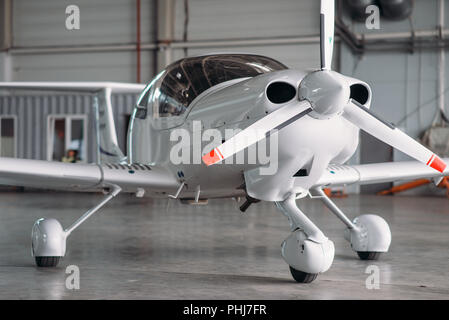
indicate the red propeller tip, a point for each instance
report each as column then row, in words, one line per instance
column 211, row 157
column 437, row 164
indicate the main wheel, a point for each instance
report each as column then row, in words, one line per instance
column 368, row 255
column 47, row 261
column 48, row 242
column 302, row 277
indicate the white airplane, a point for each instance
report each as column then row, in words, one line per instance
column 315, row 116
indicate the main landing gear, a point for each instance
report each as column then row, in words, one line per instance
column 48, row 238
column 309, row 252
column 368, row 234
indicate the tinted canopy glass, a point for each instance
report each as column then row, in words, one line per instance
column 184, row 80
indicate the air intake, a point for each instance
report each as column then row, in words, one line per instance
column 280, row 92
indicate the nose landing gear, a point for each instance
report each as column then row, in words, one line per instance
column 306, row 250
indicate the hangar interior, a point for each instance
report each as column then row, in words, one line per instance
column 401, row 61
column 212, row 251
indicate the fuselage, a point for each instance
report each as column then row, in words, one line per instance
column 289, row 160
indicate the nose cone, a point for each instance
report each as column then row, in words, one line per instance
column 327, row 92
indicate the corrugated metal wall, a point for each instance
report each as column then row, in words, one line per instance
column 32, row 113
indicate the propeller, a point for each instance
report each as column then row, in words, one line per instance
column 327, row 17
column 360, row 116
column 258, row 130
column 324, row 94
column 291, row 112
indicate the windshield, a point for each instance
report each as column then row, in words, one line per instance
column 172, row 91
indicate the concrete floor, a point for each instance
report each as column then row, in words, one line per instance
column 136, row 249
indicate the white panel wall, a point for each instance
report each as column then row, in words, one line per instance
column 107, row 66
column 42, row 24
column 213, row 19
column 249, row 19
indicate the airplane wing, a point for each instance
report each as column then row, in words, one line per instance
column 108, row 148
column 76, row 86
column 337, row 175
column 158, row 181
column 42, row 174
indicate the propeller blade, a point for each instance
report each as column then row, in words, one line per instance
column 258, row 130
column 327, row 17
column 361, row 117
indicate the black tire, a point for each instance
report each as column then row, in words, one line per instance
column 368, row 255
column 47, row 261
column 303, row 277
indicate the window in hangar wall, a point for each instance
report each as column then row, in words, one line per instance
column 66, row 138
column 8, row 139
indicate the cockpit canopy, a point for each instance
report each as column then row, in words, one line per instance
column 172, row 91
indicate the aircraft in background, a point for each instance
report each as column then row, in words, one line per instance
column 314, row 116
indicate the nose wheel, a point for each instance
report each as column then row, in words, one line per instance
column 302, row 277
column 368, row 255
column 306, row 250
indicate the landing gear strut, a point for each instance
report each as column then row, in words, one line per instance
column 48, row 238
column 368, row 234
column 307, row 250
